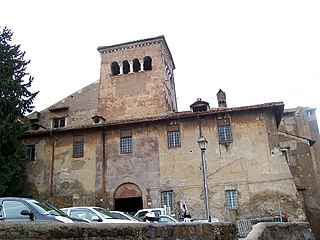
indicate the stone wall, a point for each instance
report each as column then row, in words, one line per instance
column 141, row 231
column 285, row 231
column 134, row 231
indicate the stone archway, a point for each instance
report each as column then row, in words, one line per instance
column 128, row 198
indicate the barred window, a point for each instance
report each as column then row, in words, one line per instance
column 232, row 200
column 31, row 152
column 224, row 128
column 225, row 135
column 58, row 122
column 126, row 141
column 78, row 146
column 173, row 132
column 167, row 200
column 174, row 139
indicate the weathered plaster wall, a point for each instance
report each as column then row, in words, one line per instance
column 249, row 164
column 297, row 125
column 141, row 167
column 73, row 179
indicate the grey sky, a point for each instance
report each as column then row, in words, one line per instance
column 255, row 51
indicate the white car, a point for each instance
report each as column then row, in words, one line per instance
column 157, row 211
column 122, row 215
column 93, row 214
column 166, row 219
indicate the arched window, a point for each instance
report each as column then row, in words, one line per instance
column 115, row 69
column 147, row 63
column 126, row 67
column 136, row 65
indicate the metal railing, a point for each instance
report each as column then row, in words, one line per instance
column 245, row 226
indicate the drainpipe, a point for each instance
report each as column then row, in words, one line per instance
column 199, row 124
column 52, row 166
column 104, row 165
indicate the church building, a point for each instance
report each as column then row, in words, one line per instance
column 122, row 144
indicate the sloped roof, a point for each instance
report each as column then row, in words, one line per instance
column 311, row 141
column 276, row 107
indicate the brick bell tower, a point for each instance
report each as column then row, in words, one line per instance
column 136, row 80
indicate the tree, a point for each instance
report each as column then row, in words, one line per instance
column 15, row 101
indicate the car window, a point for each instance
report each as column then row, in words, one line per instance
column 45, row 208
column 164, row 219
column 83, row 213
column 142, row 214
column 12, row 210
column 156, row 212
column 105, row 213
column 120, row 216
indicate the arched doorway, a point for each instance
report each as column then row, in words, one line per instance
column 128, row 198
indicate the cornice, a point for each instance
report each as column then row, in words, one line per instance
column 138, row 43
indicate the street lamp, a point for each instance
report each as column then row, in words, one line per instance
column 202, row 142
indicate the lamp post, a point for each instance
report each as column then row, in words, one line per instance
column 202, row 142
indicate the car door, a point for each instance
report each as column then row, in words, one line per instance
column 12, row 210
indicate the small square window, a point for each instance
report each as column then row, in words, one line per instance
column 31, row 152
column 58, row 122
column 167, row 200
column 224, row 130
column 126, row 141
column 232, row 200
column 126, row 145
column 225, row 135
column 174, row 139
column 78, row 146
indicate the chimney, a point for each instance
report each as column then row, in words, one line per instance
column 200, row 106
column 222, row 102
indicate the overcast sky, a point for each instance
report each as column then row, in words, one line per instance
column 255, row 51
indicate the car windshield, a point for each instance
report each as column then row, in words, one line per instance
column 126, row 216
column 105, row 213
column 46, row 208
column 133, row 218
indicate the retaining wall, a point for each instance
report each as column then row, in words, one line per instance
column 158, row 231
column 283, row 231
column 131, row 231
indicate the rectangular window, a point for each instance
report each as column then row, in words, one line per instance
column 224, row 128
column 174, row 139
column 167, row 200
column 78, row 146
column 174, row 136
column 58, row 122
column 31, row 152
column 126, row 141
column 232, row 199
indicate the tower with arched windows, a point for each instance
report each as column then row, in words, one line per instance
column 136, row 79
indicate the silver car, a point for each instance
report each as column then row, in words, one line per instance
column 93, row 214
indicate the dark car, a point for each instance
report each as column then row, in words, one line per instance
column 14, row 209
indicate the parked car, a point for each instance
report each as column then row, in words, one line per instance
column 205, row 220
column 157, row 211
column 15, row 209
column 125, row 216
column 166, row 219
column 93, row 214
